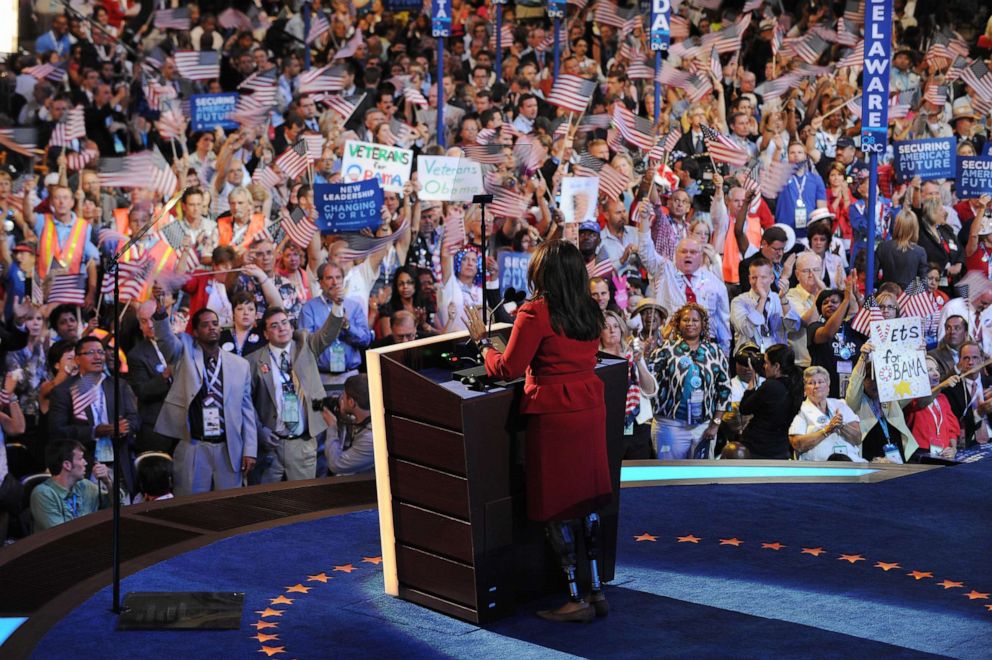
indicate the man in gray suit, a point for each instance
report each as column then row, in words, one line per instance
column 287, row 392
column 208, row 408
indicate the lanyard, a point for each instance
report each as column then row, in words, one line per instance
column 938, row 420
column 877, row 409
column 72, row 504
column 283, row 378
column 239, row 348
column 161, row 358
column 800, row 184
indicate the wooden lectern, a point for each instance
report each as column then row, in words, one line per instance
column 449, row 474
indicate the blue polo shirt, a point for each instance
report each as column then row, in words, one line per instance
column 355, row 339
column 811, row 187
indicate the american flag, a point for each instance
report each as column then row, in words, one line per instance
column 319, row 25
column 361, row 246
column 854, row 58
column 73, row 127
column 549, row 38
column 591, row 123
column 528, row 154
column 854, row 11
column 778, row 39
column 868, row 313
column 486, row 135
column 957, row 69
column 293, row 161
column 679, row 27
column 84, row 394
column 233, row 19
column 21, row 140
column 172, row 124
column 76, row 161
column 571, row 92
column 68, row 289
column 508, row 204
column 639, row 69
column 506, row 36
column 344, row 106
column 750, row 181
column 753, row 5
column 810, row 47
column 325, row 79
column 133, row 276
column 453, row 238
column 939, row 49
column 687, row 48
column 636, row 130
column 978, row 77
column 299, row 227
column 260, row 81
column 772, row 89
column 608, row 13
column 315, row 146
column 615, row 141
column 775, row 177
column 722, row 149
column 612, row 182
column 917, row 300
column 198, row 64
column 250, row 109
column 936, row 94
column 173, row 19
column 265, row 177
column 900, row 104
column 666, row 146
column 155, row 93
column 146, row 169
column 415, row 96
column 487, row 154
column 599, row 268
column 672, row 76
column 173, row 234
column 726, row 40
column 51, row 72
column 350, row 47
column 581, row 4
column 848, row 33
column 807, row 70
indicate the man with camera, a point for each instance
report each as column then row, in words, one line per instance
column 288, row 394
column 348, row 447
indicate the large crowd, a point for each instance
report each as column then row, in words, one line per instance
column 728, row 247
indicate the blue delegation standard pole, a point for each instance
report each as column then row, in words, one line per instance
column 870, row 215
column 440, row 91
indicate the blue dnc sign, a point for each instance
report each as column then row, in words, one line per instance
column 440, row 18
column 661, row 30
column 877, row 64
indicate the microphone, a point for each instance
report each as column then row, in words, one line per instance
column 511, row 298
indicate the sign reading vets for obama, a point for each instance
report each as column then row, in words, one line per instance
column 900, row 359
column 661, row 30
column 449, row 179
column 390, row 166
column 348, row 207
column 974, row 176
column 875, row 81
column 934, row 158
column 211, row 110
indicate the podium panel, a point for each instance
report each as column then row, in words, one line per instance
column 451, row 488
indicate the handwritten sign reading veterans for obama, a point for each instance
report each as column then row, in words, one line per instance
column 899, row 359
column 207, row 111
column 974, row 176
column 390, row 166
column 449, row 179
column 348, row 207
column 928, row 159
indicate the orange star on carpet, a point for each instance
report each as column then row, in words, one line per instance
column 372, row 560
column 298, row 589
column 887, row 567
column 977, row 595
column 733, row 542
column 772, row 546
column 347, row 568
column 268, row 611
column 262, row 625
column 948, row 584
column 272, row 650
column 646, row 537
column 281, row 600
column 816, row 552
column 851, row 558
column 689, row 539
column 319, row 577
column 261, row 637
column 989, row 608
column 919, row 575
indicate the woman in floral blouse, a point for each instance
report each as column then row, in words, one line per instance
column 693, row 385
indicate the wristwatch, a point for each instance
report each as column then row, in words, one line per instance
column 483, row 343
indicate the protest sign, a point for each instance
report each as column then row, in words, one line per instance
column 513, row 271
column 928, row 159
column 209, row 111
column 974, row 176
column 348, row 207
column 899, row 359
column 449, row 179
column 660, row 24
column 875, row 82
column 579, row 195
column 390, row 166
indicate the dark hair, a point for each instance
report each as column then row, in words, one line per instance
column 557, row 273
column 242, row 298
column 57, row 351
column 823, row 295
column 195, row 321
column 59, row 452
column 193, row 190
column 58, row 312
column 88, row 339
column 155, row 476
column 357, row 387
column 782, row 355
column 270, row 312
column 773, row 234
column 819, row 228
column 759, row 262
column 395, row 302
column 223, row 253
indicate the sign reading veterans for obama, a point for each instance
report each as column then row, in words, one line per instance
column 390, row 166
column 348, row 207
column 877, row 63
column 974, row 176
column 928, row 159
column 449, row 179
column 209, row 111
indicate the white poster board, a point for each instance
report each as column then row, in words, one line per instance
column 579, row 197
column 899, row 359
column 365, row 160
column 449, row 179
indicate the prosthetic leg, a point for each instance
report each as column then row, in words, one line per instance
column 596, row 597
column 561, row 536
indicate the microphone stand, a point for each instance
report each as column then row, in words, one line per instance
column 482, row 200
column 113, row 269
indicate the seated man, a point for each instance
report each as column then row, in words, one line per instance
column 68, row 494
column 349, row 449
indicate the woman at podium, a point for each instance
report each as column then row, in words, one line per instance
column 554, row 341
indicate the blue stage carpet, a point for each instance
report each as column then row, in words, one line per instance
column 895, row 569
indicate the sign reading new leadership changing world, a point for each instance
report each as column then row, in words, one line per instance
column 661, row 30
column 440, row 18
column 875, row 82
column 934, row 158
column 348, row 207
column 365, row 160
column 974, row 176
column 209, row 111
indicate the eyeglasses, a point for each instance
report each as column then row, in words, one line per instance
column 806, row 271
column 94, row 353
column 891, row 308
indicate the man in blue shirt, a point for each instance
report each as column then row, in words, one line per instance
column 802, row 194
column 55, row 40
column 344, row 356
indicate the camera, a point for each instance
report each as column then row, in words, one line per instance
column 332, row 403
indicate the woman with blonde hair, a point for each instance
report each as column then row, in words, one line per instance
column 900, row 259
column 888, row 304
column 641, row 386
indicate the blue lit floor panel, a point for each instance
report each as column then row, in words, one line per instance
column 632, row 473
column 8, row 625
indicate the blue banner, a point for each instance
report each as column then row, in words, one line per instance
column 211, row 110
column 404, row 5
column 348, row 207
column 661, row 30
column 928, row 159
column 513, row 271
column 974, row 176
column 440, row 18
column 875, row 81
column 556, row 8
